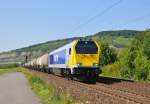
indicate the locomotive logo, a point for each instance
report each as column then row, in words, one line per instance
column 55, row 58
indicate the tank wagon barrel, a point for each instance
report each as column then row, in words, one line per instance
column 42, row 62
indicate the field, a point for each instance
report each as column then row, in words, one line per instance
column 3, row 71
column 7, row 69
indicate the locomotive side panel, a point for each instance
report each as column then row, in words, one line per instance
column 58, row 59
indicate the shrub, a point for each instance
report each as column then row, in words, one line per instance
column 108, row 55
column 112, row 70
column 134, row 61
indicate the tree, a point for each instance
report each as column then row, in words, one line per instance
column 108, row 55
column 136, row 61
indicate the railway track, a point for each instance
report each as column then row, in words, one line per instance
column 122, row 95
column 125, row 90
column 137, row 98
column 134, row 87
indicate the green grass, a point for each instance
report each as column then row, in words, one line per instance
column 120, row 40
column 112, row 70
column 9, row 66
column 8, row 70
column 48, row 94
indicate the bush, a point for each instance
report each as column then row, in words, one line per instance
column 133, row 62
column 112, row 70
column 125, row 72
column 108, row 55
column 141, row 66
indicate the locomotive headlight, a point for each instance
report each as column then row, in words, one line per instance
column 79, row 64
column 95, row 64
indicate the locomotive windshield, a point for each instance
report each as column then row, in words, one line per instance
column 86, row 47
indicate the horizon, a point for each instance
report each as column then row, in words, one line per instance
column 65, row 38
column 30, row 22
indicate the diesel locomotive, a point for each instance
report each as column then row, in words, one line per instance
column 78, row 59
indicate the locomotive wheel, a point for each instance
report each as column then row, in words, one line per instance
column 48, row 71
column 63, row 72
column 70, row 76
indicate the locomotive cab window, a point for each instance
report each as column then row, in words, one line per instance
column 86, row 47
column 69, row 51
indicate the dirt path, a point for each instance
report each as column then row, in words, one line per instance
column 14, row 90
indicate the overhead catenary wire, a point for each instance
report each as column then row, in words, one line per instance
column 95, row 16
column 137, row 19
column 131, row 21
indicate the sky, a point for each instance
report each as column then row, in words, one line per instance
column 28, row 22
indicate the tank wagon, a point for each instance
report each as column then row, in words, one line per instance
column 42, row 63
column 79, row 58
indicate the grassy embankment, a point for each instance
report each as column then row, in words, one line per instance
column 7, row 69
column 48, row 94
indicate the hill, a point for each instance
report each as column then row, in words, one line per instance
column 119, row 39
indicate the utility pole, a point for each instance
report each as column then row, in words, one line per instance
column 26, row 59
column 28, row 55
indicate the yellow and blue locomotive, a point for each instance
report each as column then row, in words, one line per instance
column 80, row 58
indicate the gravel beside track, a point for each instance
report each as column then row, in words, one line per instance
column 134, row 87
column 105, row 91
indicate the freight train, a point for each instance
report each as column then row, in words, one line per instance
column 78, row 59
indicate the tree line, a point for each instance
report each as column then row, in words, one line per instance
column 132, row 62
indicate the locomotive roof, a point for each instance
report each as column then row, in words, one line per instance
column 69, row 45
